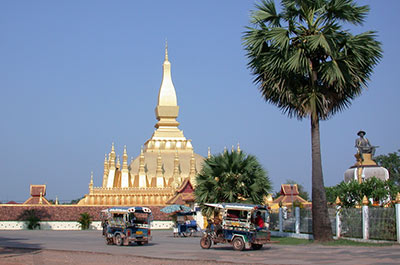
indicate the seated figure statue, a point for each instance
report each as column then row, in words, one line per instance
column 363, row 145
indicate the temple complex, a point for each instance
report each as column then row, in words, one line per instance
column 166, row 166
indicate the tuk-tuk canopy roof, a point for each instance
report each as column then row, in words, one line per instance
column 238, row 206
column 137, row 209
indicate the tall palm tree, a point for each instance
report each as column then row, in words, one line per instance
column 231, row 177
column 306, row 64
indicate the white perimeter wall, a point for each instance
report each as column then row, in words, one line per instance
column 66, row 225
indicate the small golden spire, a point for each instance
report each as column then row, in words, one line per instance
column 232, row 149
column 338, row 202
column 41, row 198
column 166, row 50
column 209, row 152
column 111, row 157
column 125, row 159
column 176, row 164
column 159, row 165
column 192, row 165
column 365, row 200
column 238, row 148
column 56, row 200
column 398, row 197
column 118, row 162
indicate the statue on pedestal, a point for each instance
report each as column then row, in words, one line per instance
column 365, row 167
column 364, row 146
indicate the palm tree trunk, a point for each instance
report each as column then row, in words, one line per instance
column 321, row 224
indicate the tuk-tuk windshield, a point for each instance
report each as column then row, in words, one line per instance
column 260, row 219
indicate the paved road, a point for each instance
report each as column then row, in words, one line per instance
column 165, row 247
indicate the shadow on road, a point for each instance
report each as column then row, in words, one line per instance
column 10, row 247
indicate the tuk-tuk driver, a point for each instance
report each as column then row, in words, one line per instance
column 259, row 222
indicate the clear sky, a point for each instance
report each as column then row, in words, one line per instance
column 76, row 76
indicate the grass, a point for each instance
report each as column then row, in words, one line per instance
column 339, row 242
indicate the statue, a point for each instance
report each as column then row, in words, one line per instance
column 363, row 146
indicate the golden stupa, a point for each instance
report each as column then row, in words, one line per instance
column 165, row 162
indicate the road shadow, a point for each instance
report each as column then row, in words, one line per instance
column 228, row 247
column 10, row 247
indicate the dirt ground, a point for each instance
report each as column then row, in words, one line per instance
column 14, row 256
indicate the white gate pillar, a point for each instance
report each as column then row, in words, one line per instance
column 365, row 218
column 297, row 222
column 398, row 217
column 338, row 220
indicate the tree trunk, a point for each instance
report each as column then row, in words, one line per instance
column 321, row 224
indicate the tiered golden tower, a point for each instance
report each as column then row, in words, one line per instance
column 166, row 160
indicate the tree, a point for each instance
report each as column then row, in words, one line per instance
column 231, row 177
column 351, row 193
column 307, row 65
column 391, row 162
column 85, row 220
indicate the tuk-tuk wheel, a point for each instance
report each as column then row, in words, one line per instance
column 189, row 232
column 256, row 246
column 118, row 240
column 139, row 243
column 238, row 244
column 109, row 241
column 205, row 242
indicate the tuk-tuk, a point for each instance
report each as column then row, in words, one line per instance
column 242, row 226
column 123, row 225
column 185, row 225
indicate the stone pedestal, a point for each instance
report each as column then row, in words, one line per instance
column 365, row 169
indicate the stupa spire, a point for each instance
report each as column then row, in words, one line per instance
column 167, row 94
column 167, row 136
column 166, row 50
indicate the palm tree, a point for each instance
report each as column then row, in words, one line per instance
column 85, row 220
column 231, row 177
column 306, row 64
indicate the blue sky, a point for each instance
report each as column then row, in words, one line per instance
column 76, row 76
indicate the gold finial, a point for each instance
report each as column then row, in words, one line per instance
column 398, row 197
column 338, row 202
column 91, row 177
column 209, row 152
column 56, row 200
column 166, row 50
column 112, row 147
column 125, row 159
column 118, row 162
column 365, row 200
column 41, row 198
column 232, row 149
column 238, row 148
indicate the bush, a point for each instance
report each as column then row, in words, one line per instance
column 85, row 220
column 31, row 217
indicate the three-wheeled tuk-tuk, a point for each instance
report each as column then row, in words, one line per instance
column 242, row 226
column 123, row 225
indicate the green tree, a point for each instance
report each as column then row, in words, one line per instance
column 31, row 217
column 231, row 177
column 391, row 162
column 85, row 220
column 307, row 65
column 351, row 193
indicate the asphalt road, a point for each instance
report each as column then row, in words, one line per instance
column 165, row 247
